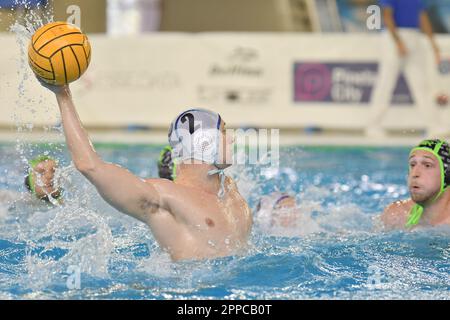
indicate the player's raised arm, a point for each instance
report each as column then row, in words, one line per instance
column 119, row 187
column 59, row 53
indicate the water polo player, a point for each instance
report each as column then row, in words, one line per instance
column 40, row 179
column 428, row 182
column 277, row 209
column 201, row 214
column 166, row 167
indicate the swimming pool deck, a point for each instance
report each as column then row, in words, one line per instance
column 287, row 137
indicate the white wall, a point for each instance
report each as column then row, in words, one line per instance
column 147, row 80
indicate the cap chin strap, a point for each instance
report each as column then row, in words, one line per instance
column 417, row 210
column 221, row 173
column 414, row 215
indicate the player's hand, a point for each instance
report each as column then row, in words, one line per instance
column 54, row 88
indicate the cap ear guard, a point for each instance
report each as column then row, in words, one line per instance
column 205, row 145
column 444, row 153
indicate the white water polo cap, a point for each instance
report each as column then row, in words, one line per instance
column 195, row 134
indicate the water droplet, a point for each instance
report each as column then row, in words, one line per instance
column 211, row 243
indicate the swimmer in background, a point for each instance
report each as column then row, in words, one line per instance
column 278, row 209
column 40, row 182
column 279, row 214
column 42, row 185
column 198, row 216
column 167, row 169
column 428, row 183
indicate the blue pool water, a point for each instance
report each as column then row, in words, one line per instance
column 338, row 253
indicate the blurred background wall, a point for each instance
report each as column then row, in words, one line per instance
column 273, row 63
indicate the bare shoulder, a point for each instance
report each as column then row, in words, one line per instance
column 159, row 181
column 168, row 188
column 174, row 195
column 399, row 207
column 396, row 214
column 164, row 187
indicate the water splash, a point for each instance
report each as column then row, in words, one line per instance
column 28, row 20
column 334, row 263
